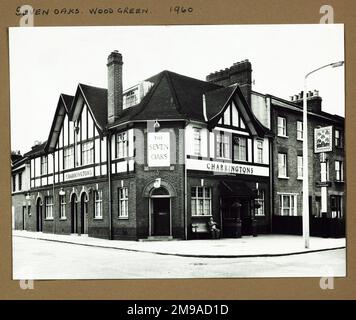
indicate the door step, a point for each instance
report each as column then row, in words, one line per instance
column 157, row 238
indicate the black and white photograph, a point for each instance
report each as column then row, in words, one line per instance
column 174, row 152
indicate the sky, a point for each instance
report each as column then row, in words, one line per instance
column 48, row 61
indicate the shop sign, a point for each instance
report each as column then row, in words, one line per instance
column 79, row 174
column 158, row 149
column 323, row 139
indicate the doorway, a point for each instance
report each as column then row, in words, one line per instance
column 235, row 213
column 39, row 215
column 73, row 213
column 160, row 212
column 84, row 213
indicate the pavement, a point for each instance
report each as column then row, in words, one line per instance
column 260, row 246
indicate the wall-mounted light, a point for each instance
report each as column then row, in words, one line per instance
column 28, row 196
column 62, row 192
column 156, row 125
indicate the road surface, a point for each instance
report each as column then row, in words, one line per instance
column 38, row 259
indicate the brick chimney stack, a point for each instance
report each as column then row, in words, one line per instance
column 240, row 73
column 115, row 90
column 314, row 101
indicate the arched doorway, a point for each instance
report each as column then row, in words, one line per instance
column 160, row 212
column 39, row 214
column 73, row 213
column 84, row 213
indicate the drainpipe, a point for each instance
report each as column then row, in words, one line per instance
column 108, row 161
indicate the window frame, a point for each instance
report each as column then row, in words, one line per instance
column 234, row 144
column 196, row 199
column 339, row 173
column 48, row 208
column 122, row 142
column 284, row 127
column 197, row 130
column 68, row 156
column 98, row 204
column 290, row 208
column 300, row 132
column 123, row 200
column 62, row 207
column 87, row 154
column 223, row 143
column 259, row 150
column 44, row 165
column 286, row 165
column 20, row 181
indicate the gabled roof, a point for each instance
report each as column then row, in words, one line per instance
column 63, row 107
column 96, row 100
column 220, row 100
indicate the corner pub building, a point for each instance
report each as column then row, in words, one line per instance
column 156, row 160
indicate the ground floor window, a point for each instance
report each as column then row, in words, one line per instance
column 49, row 207
column 336, row 206
column 201, row 201
column 287, row 205
column 62, row 207
column 123, row 203
column 261, row 201
column 98, row 204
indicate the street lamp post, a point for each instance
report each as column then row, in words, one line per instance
column 305, row 154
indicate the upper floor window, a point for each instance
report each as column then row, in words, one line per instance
column 44, row 165
column 300, row 167
column 201, row 201
column 339, row 171
column 87, row 153
column 98, row 204
column 49, row 207
column 240, row 148
column 299, row 130
column 123, row 203
column 222, row 145
column 282, row 126
column 122, row 145
column 259, row 158
column 197, row 141
column 338, row 141
column 282, row 165
column 68, row 157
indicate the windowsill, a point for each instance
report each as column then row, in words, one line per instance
column 300, row 140
column 219, row 158
column 300, row 178
column 62, row 219
column 339, row 181
column 123, row 218
column 48, row 219
column 101, row 218
column 282, row 136
column 283, row 177
column 260, row 216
